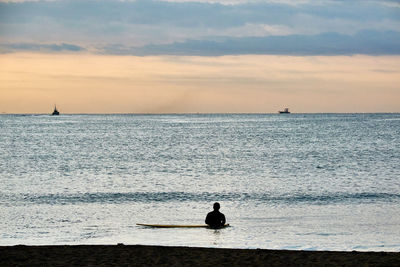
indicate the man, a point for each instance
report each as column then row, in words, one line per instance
column 215, row 219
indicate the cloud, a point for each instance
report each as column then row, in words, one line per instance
column 4, row 48
column 142, row 26
column 80, row 83
column 367, row 42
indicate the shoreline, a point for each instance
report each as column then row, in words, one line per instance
column 143, row 255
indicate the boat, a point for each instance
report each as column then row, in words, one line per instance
column 285, row 111
column 177, row 225
column 55, row 112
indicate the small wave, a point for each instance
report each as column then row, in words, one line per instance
column 147, row 197
column 339, row 197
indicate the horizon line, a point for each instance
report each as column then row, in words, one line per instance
column 206, row 113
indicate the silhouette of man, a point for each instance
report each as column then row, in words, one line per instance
column 215, row 219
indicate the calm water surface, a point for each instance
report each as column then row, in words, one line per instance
column 298, row 181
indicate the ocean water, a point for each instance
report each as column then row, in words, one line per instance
column 298, row 181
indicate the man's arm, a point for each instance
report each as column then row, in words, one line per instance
column 223, row 219
column 207, row 219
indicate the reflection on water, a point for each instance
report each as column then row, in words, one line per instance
column 216, row 235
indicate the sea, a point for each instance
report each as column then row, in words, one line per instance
column 284, row 181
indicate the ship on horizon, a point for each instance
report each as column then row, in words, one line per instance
column 55, row 112
column 285, row 111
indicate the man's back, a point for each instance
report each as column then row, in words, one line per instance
column 215, row 219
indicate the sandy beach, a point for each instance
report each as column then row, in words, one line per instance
column 135, row 255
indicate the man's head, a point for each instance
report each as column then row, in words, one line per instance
column 216, row 206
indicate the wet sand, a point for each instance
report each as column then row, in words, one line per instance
column 124, row 255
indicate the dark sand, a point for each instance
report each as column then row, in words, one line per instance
column 123, row 255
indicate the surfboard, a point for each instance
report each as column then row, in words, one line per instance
column 177, row 225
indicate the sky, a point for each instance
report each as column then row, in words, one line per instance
column 188, row 56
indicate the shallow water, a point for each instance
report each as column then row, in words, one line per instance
column 298, row 181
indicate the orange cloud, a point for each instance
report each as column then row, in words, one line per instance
column 82, row 83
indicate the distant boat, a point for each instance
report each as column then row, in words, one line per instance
column 55, row 112
column 286, row 110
